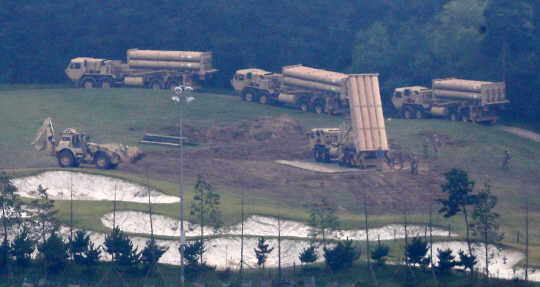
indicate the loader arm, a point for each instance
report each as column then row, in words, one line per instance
column 50, row 141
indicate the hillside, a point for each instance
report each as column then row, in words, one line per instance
column 240, row 141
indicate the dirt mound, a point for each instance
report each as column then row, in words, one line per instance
column 260, row 129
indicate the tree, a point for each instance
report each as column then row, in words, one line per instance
column 262, row 251
column 416, row 252
column 379, row 253
column 323, row 219
column 152, row 253
column 485, row 221
column 54, row 252
column 460, row 196
column 10, row 212
column 205, row 207
column 79, row 245
column 22, row 249
column 467, row 261
column 446, row 261
column 308, row 256
column 342, row 256
column 120, row 247
column 46, row 214
column 192, row 253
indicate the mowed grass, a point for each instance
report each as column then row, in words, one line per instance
column 124, row 115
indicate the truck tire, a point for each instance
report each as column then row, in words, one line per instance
column 66, row 159
column 453, row 116
column 304, row 105
column 88, row 83
column 464, row 117
column 173, row 84
column 102, row 161
column 326, row 157
column 319, row 107
column 264, row 98
column 407, row 113
column 157, row 84
column 317, row 154
column 249, row 95
column 106, row 83
column 419, row 113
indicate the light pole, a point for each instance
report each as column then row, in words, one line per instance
column 178, row 99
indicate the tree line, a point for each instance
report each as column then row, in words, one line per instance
column 408, row 43
column 54, row 254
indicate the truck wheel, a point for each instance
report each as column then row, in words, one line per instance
column 102, row 161
column 248, row 95
column 173, row 84
column 465, row 117
column 106, row 83
column 304, row 105
column 66, row 159
column 317, row 154
column 419, row 113
column 453, row 116
column 407, row 113
column 326, row 157
column 319, row 108
column 88, row 83
column 264, row 98
column 157, row 84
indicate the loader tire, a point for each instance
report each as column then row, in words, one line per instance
column 103, row 161
column 317, row 154
column 88, row 83
column 66, row 159
column 114, row 165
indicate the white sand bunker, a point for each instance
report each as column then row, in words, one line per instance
column 139, row 222
column 84, row 186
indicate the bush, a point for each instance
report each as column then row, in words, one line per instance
column 342, row 256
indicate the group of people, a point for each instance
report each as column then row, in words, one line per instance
column 436, row 146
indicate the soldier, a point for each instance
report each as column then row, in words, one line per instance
column 506, row 160
column 401, row 158
column 426, row 146
column 391, row 158
column 414, row 163
column 436, row 145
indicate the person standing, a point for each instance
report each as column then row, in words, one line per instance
column 426, row 146
column 414, row 163
column 506, row 160
column 436, row 145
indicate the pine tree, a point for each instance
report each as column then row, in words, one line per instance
column 120, row 247
column 308, row 255
column 262, row 251
column 22, row 249
column 54, row 252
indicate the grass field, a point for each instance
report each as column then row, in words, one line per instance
column 124, row 115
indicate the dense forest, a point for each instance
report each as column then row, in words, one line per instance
column 407, row 42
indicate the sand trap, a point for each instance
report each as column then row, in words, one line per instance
column 139, row 222
column 87, row 187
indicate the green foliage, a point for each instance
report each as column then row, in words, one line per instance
column 120, row 247
column 342, row 256
column 262, row 251
column 467, row 261
column 54, row 253
column 379, row 253
column 84, row 252
column 205, row 205
column 323, row 219
column 486, row 222
column 192, row 254
column 416, row 252
column 46, row 214
column 4, row 253
column 446, row 261
column 308, row 255
column 22, row 249
column 459, row 190
column 152, row 253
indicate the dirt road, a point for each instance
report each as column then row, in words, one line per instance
column 520, row 132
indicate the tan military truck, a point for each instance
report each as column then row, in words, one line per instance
column 453, row 99
column 356, row 145
column 308, row 89
column 74, row 148
column 144, row 68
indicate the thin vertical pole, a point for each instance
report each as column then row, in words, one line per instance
column 182, row 233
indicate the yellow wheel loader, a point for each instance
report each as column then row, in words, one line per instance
column 74, row 148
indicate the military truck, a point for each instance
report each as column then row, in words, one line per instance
column 356, row 145
column 453, row 99
column 144, row 68
column 75, row 148
column 308, row 89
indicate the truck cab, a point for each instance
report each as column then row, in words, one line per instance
column 412, row 101
column 256, row 84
